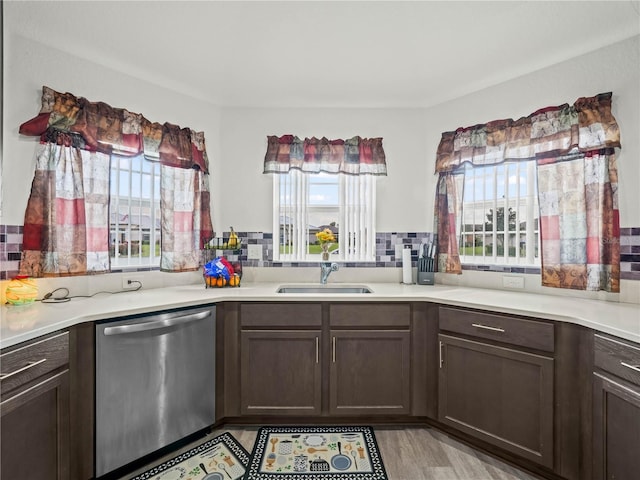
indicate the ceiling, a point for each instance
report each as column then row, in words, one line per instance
column 325, row 53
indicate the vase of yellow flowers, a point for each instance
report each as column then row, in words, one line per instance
column 326, row 239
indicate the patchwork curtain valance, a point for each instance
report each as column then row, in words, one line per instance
column 354, row 156
column 98, row 127
column 586, row 125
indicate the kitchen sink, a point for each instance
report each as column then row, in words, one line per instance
column 324, row 289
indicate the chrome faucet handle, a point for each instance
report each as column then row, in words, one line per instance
column 325, row 270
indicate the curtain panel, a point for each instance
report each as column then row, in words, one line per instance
column 573, row 146
column 354, row 156
column 185, row 219
column 580, row 221
column 66, row 227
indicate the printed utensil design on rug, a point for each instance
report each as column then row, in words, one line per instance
column 210, row 476
column 314, row 450
column 340, row 461
column 220, row 458
column 314, row 440
column 221, row 466
column 315, row 453
column 285, row 447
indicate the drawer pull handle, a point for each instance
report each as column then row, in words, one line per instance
column 486, row 327
column 440, row 357
column 4, row 376
column 632, row 367
column 317, row 350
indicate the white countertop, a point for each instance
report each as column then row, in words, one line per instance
column 21, row 323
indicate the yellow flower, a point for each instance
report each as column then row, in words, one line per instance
column 325, row 236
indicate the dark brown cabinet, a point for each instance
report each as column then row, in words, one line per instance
column 281, row 372
column 616, row 410
column 500, row 394
column 370, row 368
column 280, row 359
column 34, row 423
column 325, row 359
column 370, row 373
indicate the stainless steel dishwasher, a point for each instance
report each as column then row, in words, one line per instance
column 155, row 383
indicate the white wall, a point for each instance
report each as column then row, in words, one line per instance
column 612, row 69
column 247, row 192
column 236, row 138
column 411, row 137
column 29, row 65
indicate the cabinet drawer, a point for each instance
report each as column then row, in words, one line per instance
column 371, row 315
column 33, row 360
column 280, row 315
column 617, row 357
column 501, row 328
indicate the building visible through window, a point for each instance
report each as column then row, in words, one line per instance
column 134, row 212
column 306, row 203
column 498, row 221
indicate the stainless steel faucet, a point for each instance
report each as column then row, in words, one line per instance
column 325, row 270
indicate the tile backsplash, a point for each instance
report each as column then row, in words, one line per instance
column 387, row 243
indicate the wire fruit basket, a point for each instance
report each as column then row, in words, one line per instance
column 220, row 281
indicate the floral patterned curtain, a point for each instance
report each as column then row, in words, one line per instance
column 577, row 187
column 354, row 156
column 67, row 222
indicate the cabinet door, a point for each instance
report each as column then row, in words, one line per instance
column 616, row 429
column 35, row 431
column 280, row 372
column 370, row 372
column 500, row 395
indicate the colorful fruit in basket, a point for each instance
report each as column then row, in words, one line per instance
column 233, row 239
column 234, row 280
column 221, row 281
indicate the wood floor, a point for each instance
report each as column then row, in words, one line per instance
column 409, row 453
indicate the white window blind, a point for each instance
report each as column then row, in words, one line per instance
column 307, row 203
column 358, row 238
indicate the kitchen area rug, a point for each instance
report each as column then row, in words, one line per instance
column 221, row 458
column 314, row 453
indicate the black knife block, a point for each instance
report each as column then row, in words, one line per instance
column 426, row 278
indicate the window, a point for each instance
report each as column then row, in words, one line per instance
column 306, row 203
column 498, row 221
column 134, row 211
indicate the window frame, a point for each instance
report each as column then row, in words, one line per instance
column 526, row 198
column 345, row 247
column 147, row 168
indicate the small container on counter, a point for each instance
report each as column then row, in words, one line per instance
column 22, row 290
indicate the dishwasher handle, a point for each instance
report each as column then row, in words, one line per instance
column 154, row 325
